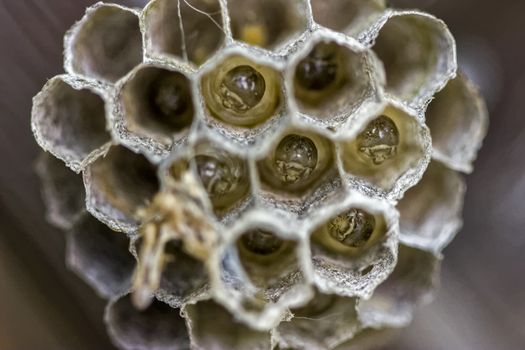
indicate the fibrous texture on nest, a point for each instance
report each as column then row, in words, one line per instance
column 247, row 174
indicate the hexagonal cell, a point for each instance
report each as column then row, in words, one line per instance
column 419, row 55
column 268, row 24
column 354, row 246
column 458, row 122
column 105, row 44
column 258, row 273
column 431, row 210
column 183, row 276
column 371, row 339
column 69, row 121
column 213, row 327
column 348, row 16
column 334, row 81
column 224, row 175
column 159, row 327
column 62, row 191
column 183, row 29
column 412, row 282
column 388, row 155
column 241, row 93
column 155, row 108
column 117, row 185
column 322, row 324
column 100, row 257
column 297, row 168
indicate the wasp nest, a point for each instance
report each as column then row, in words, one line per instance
column 278, row 174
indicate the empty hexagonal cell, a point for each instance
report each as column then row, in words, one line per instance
column 411, row 283
column 183, row 276
column 117, row 185
column 431, row 210
column 159, row 327
column 348, row 16
column 105, row 44
column 458, row 122
column 241, row 94
column 258, row 273
column 419, row 55
column 323, row 323
column 69, row 121
column 224, row 175
column 155, row 108
column 334, row 82
column 297, row 167
column 213, row 327
column 354, row 246
column 388, row 155
column 269, row 23
column 62, row 191
column 100, row 256
column 188, row 30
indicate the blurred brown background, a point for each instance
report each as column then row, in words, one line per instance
column 481, row 304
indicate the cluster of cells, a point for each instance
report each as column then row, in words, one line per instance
column 319, row 143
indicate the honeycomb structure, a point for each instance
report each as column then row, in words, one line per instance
column 248, row 174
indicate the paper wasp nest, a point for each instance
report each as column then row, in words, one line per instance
column 277, row 174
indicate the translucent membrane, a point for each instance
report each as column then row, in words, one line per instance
column 387, row 148
column 70, row 122
column 190, row 29
column 106, row 44
column 241, row 92
column 100, row 256
column 268, row 23
column 159, row 327
column 298, row 161
column 118, row 185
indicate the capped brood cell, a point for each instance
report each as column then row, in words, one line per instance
column 269, row 24
column 119, row 184
column 69, row 121
column 458, row 122
column 105, row 45
column 155, row 108
column 182, row 30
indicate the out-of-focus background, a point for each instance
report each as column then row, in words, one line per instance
column 481, row 304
